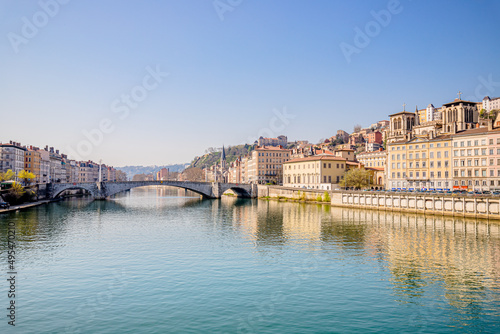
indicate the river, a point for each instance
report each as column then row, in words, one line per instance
column 161, row 260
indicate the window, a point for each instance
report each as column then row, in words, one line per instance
column 445, row 154
column 491, row 141
column 469, row 143
column 439, row 164
column 431, row 164
column 445, row 174
column 439, row 174
column 431, row 155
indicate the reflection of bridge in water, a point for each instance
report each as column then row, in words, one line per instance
column 102, row 190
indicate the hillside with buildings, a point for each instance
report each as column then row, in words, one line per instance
column 231, row 153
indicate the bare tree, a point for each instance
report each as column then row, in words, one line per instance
column 357, row 128
column 193, row 174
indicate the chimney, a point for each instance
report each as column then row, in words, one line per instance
column 490, row 124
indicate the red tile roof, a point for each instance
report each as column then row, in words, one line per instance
column 316, row 158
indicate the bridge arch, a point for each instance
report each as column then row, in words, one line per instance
column 239, row 191
column 197, row 191
column 58, row 188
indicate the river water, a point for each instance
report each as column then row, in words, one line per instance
column 160, row 260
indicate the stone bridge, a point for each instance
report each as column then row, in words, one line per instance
column 101, row 190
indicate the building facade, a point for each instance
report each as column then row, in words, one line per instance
column 315, row 172
column 266, row 165
column 12, row 156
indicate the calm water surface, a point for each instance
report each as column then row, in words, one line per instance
column 159, row 260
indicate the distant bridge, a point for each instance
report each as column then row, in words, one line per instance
column 102, row 190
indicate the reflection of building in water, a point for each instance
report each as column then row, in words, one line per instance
column 276, row 222
column 302, row 221
column 461, row 253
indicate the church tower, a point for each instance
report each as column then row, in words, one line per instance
column 459, row 115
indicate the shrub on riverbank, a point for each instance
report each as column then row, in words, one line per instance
column 19, row 195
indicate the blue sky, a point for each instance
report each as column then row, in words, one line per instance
column 232, row 68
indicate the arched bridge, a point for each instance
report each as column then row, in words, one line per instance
column 101, row 190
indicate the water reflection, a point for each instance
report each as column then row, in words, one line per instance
column 435, row 262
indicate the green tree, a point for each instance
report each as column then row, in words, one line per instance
column 7, row 176
column 26, row 176
column 357, row 177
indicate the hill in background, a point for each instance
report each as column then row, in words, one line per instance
column 213, row 157
column 133, row 170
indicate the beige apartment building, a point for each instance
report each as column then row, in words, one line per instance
column 471, row 160
column 420, row 164
column 375, row 159
column 315, row 172
column 266, row 165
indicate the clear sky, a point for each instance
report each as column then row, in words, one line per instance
column 158, row 82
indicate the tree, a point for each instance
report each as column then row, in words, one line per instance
column 356, row 178
column 357, row 128
column 26, row 177
column 15, row 193
column 7, row 176
column 120, row 176
column 193, row 174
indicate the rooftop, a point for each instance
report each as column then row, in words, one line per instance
column 316, row 158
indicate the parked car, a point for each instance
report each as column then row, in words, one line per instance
column 4, row 205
